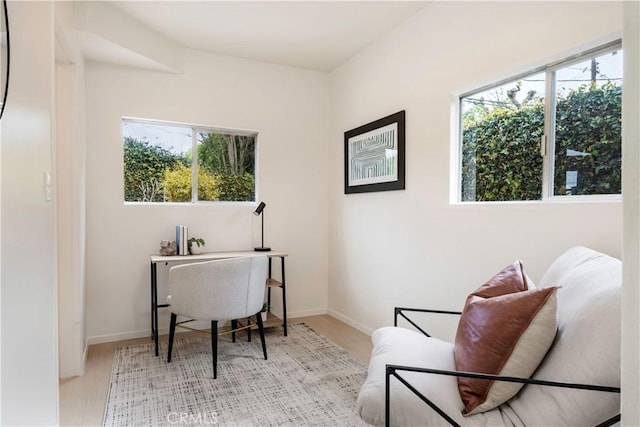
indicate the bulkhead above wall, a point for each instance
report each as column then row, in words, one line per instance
column 106, row 34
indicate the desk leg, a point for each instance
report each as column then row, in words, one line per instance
column 269, row 288
column 284, row 298
column 154, row 305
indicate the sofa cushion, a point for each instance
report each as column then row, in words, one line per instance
column 505, row 329
column 400, row 346
column 587, row 346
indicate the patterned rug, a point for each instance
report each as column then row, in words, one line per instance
column 307, row 381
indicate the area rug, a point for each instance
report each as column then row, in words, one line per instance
column 306, row 381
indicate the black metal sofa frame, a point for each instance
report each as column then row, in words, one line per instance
column 392, row 370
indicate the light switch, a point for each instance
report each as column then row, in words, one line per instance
column 48, row 188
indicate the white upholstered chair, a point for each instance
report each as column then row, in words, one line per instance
column 585, row 357
column 221, row 290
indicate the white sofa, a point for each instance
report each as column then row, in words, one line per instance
column 586, row 351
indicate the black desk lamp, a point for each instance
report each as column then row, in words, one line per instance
column 259, row 210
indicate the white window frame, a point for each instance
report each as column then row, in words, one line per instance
column 194, row 159
column 547, row 144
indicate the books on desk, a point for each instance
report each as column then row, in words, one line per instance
column 182, row 239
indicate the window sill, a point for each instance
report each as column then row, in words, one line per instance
column 614, row 198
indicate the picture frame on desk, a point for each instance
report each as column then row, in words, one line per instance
column 374, row 156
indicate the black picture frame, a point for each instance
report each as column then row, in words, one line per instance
column 374, row 156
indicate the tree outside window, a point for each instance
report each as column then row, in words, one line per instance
column 572, row 108
column 166, row 162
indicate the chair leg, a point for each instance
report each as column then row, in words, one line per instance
column 214, row 347
column 234, row 326
column 248, row 330
column 172, row 330
column 261, row 330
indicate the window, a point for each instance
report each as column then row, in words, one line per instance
column 553, row 132
column 167, row 162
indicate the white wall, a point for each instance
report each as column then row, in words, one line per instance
column 631, row 185
column 29, row 306
column 412, row 247
column 70, row 185
column 289, row 109
column 70, row 194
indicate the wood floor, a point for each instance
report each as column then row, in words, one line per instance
column 82, row 399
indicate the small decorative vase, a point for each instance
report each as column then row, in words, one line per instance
column 196, row 249
column 263, row 314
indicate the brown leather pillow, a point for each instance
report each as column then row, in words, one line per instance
column 505, row 329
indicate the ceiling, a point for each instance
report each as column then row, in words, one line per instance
column 317, row 35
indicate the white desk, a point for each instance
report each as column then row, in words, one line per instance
column 210, row 256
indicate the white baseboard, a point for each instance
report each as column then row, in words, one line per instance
column 359, row 326
column 304, row 313
column 100, row 339
column 85, row 353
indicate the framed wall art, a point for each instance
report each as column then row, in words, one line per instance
column 374, row 156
